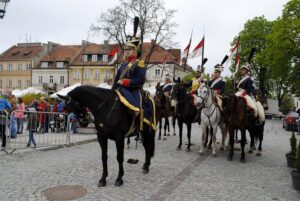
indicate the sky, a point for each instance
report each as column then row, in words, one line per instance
column 67, row 22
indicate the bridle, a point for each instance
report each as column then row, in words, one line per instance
column 205, row 98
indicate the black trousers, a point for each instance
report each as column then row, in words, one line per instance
column 2, row 134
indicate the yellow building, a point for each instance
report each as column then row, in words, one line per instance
column 16, row 64
column 92, row 66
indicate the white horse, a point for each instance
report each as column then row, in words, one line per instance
column 210, row 118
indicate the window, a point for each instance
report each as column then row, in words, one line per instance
column 19, row 83
column 105, row 58
column 40, row 79
column 19, row 66
column 107, row 74
column 85, row 58
column 28, row 83
column 97, row 74
column 86, row 74
column 77, row 74
column 157, row 73
column 95, row 58
column 10, row 83
column 51, row 79
column 0, row 83
column 10, row 67
column 61, row 79
column 1, row 67
column 28, row 66
column 44, row 65
column 59, row 64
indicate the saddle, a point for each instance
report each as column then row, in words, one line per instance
column 249, row 102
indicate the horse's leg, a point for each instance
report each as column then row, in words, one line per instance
column 189, row 128
column 252, row 141
column 231, row 141
column 148, row 143
column 202, row 143
column 211, row 136
column 128, row 142
column 103, row 144
column 260, row 137
column 180, row 124
column 168, row 125
column 174, row 125
column 243, row 142
column 165, row 129
column 214, row 133
column 224, row 136
column 206, row 136
column 159, row 134
column 120, row 158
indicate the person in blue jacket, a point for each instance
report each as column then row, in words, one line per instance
column 4, row 106
column 245, row 82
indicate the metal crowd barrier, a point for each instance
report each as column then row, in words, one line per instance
column 50, row 129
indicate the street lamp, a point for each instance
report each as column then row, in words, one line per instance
column 3, row 4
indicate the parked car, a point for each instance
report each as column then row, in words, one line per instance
column 290, row 121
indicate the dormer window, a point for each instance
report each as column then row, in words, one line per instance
column 44, row 65
column 95, row 58
column 85, row 58
column 105, row 58
column 59, row 64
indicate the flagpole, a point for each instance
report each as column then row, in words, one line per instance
column 203, row 52
column 187, row 55
column 236, row 65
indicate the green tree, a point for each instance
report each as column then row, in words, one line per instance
column 254, row 35
column 283, row 52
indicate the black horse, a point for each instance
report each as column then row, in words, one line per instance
column 237, row 117
column 112, row 121
column 185, row 111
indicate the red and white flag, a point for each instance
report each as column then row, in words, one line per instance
column 187, row 49
column 114, row 54
column 237, row 62
column 197, row 52
column 234, row 49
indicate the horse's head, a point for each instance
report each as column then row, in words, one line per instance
column 204, row 94
column 76, row 108
column 262, row 98
column 160, row 97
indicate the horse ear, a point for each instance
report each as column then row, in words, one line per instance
column 178, row 79
column 62, row 97
column 157, row 85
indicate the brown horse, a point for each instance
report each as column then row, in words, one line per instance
column 163, row 108
column 237, row 117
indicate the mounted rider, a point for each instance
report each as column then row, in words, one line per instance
column 167, row 87
column 245, row 82
column 131, row 76
column 217, row 85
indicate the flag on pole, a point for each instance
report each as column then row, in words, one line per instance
column 114, row 54
column 187, row 49
column 237, row 62
column 234, row 49
column 197, row 52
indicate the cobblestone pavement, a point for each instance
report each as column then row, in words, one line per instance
column 174, row 175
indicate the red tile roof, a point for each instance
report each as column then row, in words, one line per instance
column 22, row 52
column 63, row 53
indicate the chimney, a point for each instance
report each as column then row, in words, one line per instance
column 50, row 46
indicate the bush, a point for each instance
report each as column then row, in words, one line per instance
column 297, row 161
column 293, row 143
column 28, row 98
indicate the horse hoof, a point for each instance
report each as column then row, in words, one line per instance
column 209, row 147
column 128, row 147
column 250, row 151
column 178, row 148
column 188, row 149
column 102, row 183
column 174, row 134
column 258, row 154
column 168, row 134
column 159, row 138
column 119, row 182
column 145, row 171
column 221, row 149
column 164, row 138
column 201, row 153
column 243, row 160
column 214, row 155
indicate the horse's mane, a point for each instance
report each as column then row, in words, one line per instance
column 88, row 91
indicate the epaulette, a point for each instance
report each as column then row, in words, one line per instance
column 141, row 64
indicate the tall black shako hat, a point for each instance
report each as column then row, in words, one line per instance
column 248, row 63
column 219, row 67
column 133, row 41
column 201, row 68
